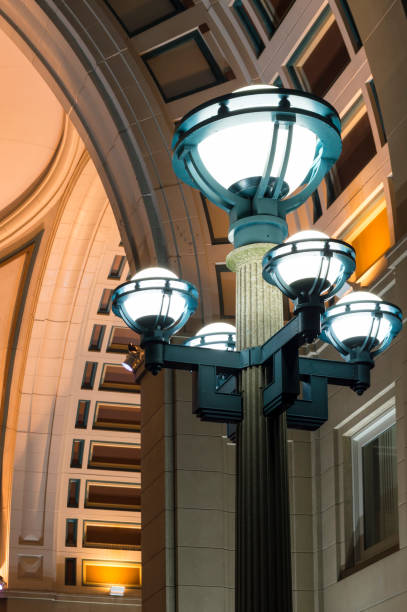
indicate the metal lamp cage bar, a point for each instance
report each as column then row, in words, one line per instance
column 377, row 311
column 213, row 338
column 283, row 106
column 328, row 249
column 163, row 325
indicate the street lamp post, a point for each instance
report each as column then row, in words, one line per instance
column 259, row 153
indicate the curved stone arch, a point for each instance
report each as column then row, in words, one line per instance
column 29, row 209
column 77, row 68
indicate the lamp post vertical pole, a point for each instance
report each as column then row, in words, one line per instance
column 263, row 555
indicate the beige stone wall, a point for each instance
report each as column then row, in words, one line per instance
column 340, row 584
column 188, row 502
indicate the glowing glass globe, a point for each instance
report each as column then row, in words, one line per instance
column 222, row 155
column 257, row 142
column 155, row 301
column 309, row 264
column 361, row 321
column 219, row 336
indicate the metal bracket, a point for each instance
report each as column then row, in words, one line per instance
column 215, row 395
column 285, row 385
column 312, row 411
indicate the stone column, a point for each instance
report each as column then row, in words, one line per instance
column 263, row 568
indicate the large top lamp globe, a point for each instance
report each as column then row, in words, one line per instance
column 258, row 153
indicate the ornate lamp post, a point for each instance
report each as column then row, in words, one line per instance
column 259, row 153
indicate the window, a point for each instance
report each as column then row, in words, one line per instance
column 138, row 15
column 271, row 13
column 321, row 57
column 109, row 415
column 122, row 536
column 82, row 413
column 252, row 34
column 70, row 571
column 358, row 146
column 89, row 374
column 120, row 338
column 350, row 24
column 71, row 532
column 375, row 510
column 183, row 66
column 227, row 288
column 117, row 266
column 77, row 453
column 73, row 493
column 377, row 111
column 116, row 378
column 105, row 301
column 114, row 456
column 96, row 338
column 112, row 495
column 218, row 222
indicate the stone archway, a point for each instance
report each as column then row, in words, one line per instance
column 84, row 74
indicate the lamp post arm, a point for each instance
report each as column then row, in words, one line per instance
column 355, row 375
column 303, row 327
column 217, row 396
column 182, row 357
column 160, row 355
column 289, row 333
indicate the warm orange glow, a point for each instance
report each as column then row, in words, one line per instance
column 227, row 282
column 106, row 573
column 218, row 221
column 371, row 243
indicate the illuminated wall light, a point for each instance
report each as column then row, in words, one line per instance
column 117, row 590
column 371, row 239
column 106, row 573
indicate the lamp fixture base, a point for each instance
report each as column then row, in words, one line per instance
column 309, row 308
column 248, row 187
column 257, row 228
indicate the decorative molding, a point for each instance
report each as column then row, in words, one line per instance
column 28, row 211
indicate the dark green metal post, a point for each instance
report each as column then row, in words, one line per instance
column 263, row 554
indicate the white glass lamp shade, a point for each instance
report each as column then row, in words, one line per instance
column 361, row 321
column 259, row 142
column 219, row 336
column 241, row 152
column 153, row 304
column 309, row 263
column 155, row 299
